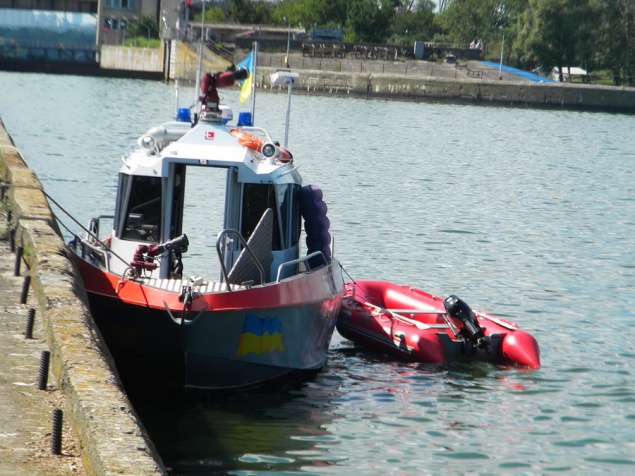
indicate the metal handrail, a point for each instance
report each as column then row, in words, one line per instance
column 223, row 52
column 105, row 252
column 255, row 129
column 96, row 220
column 304, row 259
column 93, row 233
column 221, row 235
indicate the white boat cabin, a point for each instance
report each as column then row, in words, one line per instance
column 150, row 202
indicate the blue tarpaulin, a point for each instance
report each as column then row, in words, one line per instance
column 536, row 78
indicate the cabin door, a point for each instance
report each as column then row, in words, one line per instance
column 198, row 211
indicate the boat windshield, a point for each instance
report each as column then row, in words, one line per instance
column 290, row 214
column 141, row 208
column 286, row 223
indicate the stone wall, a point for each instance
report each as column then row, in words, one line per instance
column 131, row 59
column 581, row 96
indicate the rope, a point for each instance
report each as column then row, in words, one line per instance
column 395, row 316
column 347, row 274
column 86, row 230
column 366, row 295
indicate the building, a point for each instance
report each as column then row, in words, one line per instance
column 113, row 17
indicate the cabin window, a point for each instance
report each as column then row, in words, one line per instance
column 142, row 216
column 290, row 214
column 256, row 199
column 178, row 198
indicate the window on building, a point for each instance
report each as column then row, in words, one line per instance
column 120, row 4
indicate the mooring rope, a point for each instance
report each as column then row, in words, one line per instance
column 4, row 185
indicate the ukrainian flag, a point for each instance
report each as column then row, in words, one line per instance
column 248, row 64
column 260, row 335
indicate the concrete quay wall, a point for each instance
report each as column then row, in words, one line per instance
column 182, row 62
column 483, row 91
column 110, row 435
column 131, row 59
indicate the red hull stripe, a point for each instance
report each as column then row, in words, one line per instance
column 303, row 289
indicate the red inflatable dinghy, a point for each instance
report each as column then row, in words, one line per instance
column 405, row 322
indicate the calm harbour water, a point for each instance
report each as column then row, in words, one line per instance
column 528, row 214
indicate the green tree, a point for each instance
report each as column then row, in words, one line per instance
column 327, row 12
column 559, row 33
column 310, row 12
column 214, row 14
column 246, row 11
column 617, row 34
column 588, row 33
column 414, row 21
column 549, row 37
column 143, row 27
column 465, row 20
column 293, row 10
column 369, row 21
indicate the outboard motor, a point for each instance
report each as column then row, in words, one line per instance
column 472, row 330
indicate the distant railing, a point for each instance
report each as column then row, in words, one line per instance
column 193, row 43
column 347, row 50
column 220, row 50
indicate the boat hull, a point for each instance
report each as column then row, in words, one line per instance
column 407, row 323
column 225, row 340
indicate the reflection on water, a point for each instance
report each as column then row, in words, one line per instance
column 528, row 214
column 274, row 427
column 360, row 408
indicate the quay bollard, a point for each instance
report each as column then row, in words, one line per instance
column 18, row 261
column 28, row 333
column 56, row 434
column 43, row 376
column 25, row 289
column 12, row 240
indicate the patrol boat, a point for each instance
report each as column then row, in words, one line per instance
column 269, row 311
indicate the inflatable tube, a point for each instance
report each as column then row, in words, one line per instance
column 316, row 223
column 318, row 240
column 316, row 226
column 252, row 142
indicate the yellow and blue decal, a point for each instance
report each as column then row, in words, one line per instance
column 260, row 335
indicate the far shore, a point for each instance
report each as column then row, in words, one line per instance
column 464, row 81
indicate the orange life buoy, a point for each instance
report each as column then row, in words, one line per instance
column 252, row 142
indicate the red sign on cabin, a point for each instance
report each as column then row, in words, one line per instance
column 209, row 136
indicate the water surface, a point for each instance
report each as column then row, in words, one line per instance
column 528, row 214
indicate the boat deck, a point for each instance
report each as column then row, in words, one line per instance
column 176, row 285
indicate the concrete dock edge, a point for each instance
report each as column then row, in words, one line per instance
column 475, row 91
column 111, row 436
